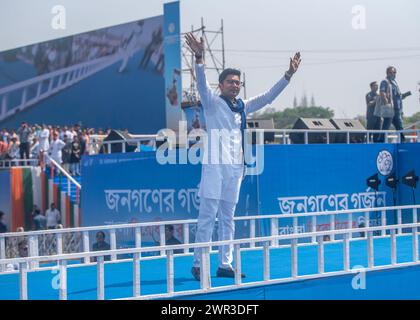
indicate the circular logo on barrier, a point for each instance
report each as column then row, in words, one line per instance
column 384, row 162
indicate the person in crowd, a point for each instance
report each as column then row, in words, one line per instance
column 66, row 153
column 53, row 217
column 40, row 221
column 56, row 146
column 24, row 132
column 391, row 94
column 34, row 148
column 44, row 136
column 3, row 226
column 13, row 150
column 101, row 245
column 372, row 122
column 75, row 157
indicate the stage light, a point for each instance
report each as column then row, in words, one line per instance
column 410, row 179
column 392, row 181
column 373, row 182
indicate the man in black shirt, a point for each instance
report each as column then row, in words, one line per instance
column 373, row 122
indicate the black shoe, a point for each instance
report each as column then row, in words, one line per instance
column 195, row 271
column 227, row 273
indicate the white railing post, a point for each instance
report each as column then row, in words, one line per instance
column 306, row 137
column 123, row 147
column 370, row 249
column 100, row 278
column 24, row 95
column 33, row 250
column 186, row 232
column 295, row 225
column 332, row 225
column 59, row 242
column 170, row 271
column 23, row 281
column 162, row 238
column 393, row 248
column 328, row 137
column 62, row 268
column 415, row 245
column 136, row 274
column 350, row 224
column 346, row 252
column 109, row 147
column 2, row 252
column 383, row 222
column 399, row 220
column 414, row 215
column 294, row 253
column 86, row 247
column 313, row 228
column 320, row 254
column 284, row 137
column 113, row 240
column 205, row 268
column 138, row 237
column 367, row 219
column 348, row 137
column 238, row 264
column 274, row 231
column 252, row 232
column 266, row 261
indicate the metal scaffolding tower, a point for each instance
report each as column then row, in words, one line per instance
column 215, row 61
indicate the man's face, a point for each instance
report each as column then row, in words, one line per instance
column 374, row 87
column 23, row 250
column 100, row 238
column 52, row 206
column 392, row 73
column 231, row 86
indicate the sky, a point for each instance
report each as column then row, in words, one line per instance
column 345, row 44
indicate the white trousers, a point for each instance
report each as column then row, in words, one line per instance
column 224, row 210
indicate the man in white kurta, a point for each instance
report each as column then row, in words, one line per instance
column 223, row 164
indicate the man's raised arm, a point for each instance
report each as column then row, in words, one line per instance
column 197, row 47
column 268, row 97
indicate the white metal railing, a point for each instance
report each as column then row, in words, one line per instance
column 49, row 84
column 205, row 278
column 19, row 162
column 276, row 228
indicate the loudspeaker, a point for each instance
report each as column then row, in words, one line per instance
column 261, row 124
column 116, row 135
column 313, row 125
column 348, row 125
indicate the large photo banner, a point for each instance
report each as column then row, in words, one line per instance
column 108, row 78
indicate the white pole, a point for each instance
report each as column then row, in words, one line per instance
column 346, row 252
column 370, row 249
column 23, row 280
column 274, row 231
column 100, row 278
column 383, row 222
column 62, row 265
column 252, row 232
column 415, row 245
column 136, row 275
column 294, row 258
column 186, row 232
column 266, row 261
column 170, row 271
column 393, row 248
column 86, row 245
column 113, row 240
column 162, row 238
column 320, row 255
column 238, row 264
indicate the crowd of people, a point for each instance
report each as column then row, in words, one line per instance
column 65, row 145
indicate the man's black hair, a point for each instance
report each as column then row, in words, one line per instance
column 227, row 72
column 101, row 232
column 372, row 83
column 389, row 69
column 170, row 227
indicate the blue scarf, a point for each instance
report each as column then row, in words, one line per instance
column 239, row 108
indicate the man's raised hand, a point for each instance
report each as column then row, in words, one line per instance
column 294, row 63
column 197, row 47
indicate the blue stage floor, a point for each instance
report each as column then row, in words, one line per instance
column 118, row 276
